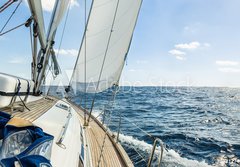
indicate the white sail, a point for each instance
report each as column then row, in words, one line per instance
column 108, row 37
column 59, row 12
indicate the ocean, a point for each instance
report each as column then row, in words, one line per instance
column 199, row 126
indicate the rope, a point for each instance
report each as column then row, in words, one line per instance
column 12, row 29
column 85, row 63
column 10, row 17
column 139, row 154
column 31, row 39
column 64, row 27
column 23, row 103
column 6, row 5
column 102, row 148
column 31, row 44
column 145, row 132
column 99, row 146
column 101, row 113
column 109, row 122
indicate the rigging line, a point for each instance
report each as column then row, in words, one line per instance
column 106, row 131
column 102, row 149
column 31, row 43
column 110, row 100
column 49, row 70
column 109, row 39
column 139, row 154
column 85, row 63
column 10, row 16
column 110, row 103
column 98, row 144
column 14, row 28
column 64, row 27
column 24, row 103
column 81, row 45
column 6, row 5
column 148, row 134
column 101, row 113
column 125, row 60
column 31, row 39
column 51, row 80
column 51, row 77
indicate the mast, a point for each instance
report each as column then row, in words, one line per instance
column 37, row 13
column 44, row 54
column 38, row 32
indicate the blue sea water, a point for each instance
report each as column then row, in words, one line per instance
column 199, row 126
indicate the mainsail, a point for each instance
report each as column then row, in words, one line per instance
column 105, row 44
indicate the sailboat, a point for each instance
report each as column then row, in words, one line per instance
column 42, row 130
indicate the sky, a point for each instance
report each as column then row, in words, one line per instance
column 176, row 43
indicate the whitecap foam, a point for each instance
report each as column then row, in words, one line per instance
column 97, row 114
column 170, row 157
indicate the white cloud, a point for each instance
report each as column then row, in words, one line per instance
column 67, row 52
column 229, row 70
column 48, row 5
column 180, row 57
column 16, row 60
column 178, row 54
column 227, row 63
column 192, row 45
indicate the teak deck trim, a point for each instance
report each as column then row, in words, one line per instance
column 113, row 153
column 37, row 109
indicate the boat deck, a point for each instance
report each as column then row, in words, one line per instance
column 37, row 108
column 105, row 152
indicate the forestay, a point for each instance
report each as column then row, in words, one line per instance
column 107, row 39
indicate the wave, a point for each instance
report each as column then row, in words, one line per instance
column 97, row 114
column 170, row 157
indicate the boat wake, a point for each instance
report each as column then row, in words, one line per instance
column 170, row 157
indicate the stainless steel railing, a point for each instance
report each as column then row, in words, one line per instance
column 156, row 141
column 64, row 130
